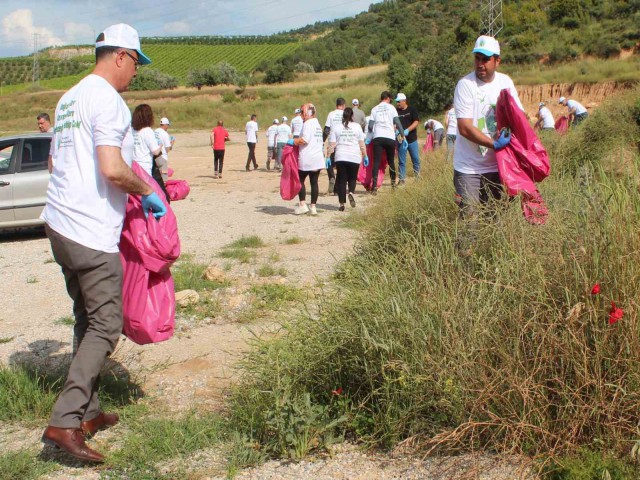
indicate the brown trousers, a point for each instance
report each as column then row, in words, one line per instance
column 94, row 283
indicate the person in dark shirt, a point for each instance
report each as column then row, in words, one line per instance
column 409, row 118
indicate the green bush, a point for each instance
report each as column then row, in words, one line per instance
column 278, row 73
column 505, row 349
column 150, row 79
column 399, row 74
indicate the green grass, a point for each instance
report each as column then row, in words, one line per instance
column 240, row 249
column 504, row 349
column 6, row 339
column 68, row 320
column 22, row 465
column 32, row 279
column 295, row 240
column 189, row 275
column 271, row 271
column 247, row 242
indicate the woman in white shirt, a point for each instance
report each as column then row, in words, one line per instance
column 347, row 140
column 311, row 159
column 145, row 143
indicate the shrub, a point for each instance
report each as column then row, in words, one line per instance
column 150, row 79
column 302, row 67
column 278, row 73
column 399, row 74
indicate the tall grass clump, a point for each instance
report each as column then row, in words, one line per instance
column 506, row 349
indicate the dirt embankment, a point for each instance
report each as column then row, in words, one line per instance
column 589, row 94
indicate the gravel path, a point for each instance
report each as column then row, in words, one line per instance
column 196, row 365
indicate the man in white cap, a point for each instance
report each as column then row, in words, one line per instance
column 358, row 115
column 166, row 141
column 84, row 213
column 476, row 177
column 272, row 133
column 577, row 112
column 283, row 136
column 296, row 123
column 545, row 118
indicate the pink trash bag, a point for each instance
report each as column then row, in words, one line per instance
column 365, row 174
column 562, row 125
column 177, row 189
column 524, row 161
column 169, row 172
column 428, row 144
column 290, row 180
column 148, row 248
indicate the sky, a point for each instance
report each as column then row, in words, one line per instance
column 69, row 22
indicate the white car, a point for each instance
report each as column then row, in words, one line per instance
column 24, row 177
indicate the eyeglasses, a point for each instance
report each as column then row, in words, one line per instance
column 136, row 62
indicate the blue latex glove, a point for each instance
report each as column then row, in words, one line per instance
column 406, row 132
column 503, row 140
column 327, row 162
column 291, row 142
column 152, row 202
column 365, row 160
column 367, row 141
column 405, row 144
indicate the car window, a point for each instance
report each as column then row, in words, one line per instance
column 7, row 152
column 35, row 153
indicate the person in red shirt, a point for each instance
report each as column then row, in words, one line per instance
column 219, row 135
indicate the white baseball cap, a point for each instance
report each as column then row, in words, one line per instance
column 401, row 96
column 487, row 46
column 284, row 119
column 355, row 102
column 165, row 121
column 561, row 100
column 276, row 121
column 123, row 36
column 297, row 111
column 541, row 104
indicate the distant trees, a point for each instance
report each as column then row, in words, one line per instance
column 150, row 79
column 222, row 73
column 399, row 74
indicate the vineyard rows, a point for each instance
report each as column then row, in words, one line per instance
column 20, row 70
column 177, row 60
column 220, row 40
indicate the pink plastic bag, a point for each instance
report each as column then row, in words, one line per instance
column 365, row 174
column 290, row 180
column 177, row 189
column 524, row 161
column 148, row 248
column 428, row 144
column 169, row 172
column 562, row 125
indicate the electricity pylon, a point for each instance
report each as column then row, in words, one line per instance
column 491, row 17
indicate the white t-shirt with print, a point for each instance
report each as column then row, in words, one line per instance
column 296, row 125
column 311, row 155
column 82, row 205
column 164, row 139
column 452, row 122
column 382, row 116
column 547, row 118
column 251, row 129
column 571, row 104
column 284, row 133
column 334, row 118
column 476, row 100
column 145, row 143
column 272, row 131
column 347, row 142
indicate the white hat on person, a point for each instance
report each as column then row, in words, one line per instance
column 275, row 121
column 355, row 102
column 541, row 104
column 297, row 111
column 401, row 96
column 487, row 46
column 561, row 100
column 123, row 36
column 165, row 121
column 284, row 119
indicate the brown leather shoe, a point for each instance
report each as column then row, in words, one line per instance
column 102, row 421
column 71, row 440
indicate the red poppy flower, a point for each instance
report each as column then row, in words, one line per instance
column 337, row 391
column 615, row 313
column 596, row 289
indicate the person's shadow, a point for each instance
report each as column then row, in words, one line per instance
column 22, row 234
column 44, row 367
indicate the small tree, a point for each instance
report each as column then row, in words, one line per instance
column 150, row 79
column 399, row 74
column 278, row 73
column 435, row 80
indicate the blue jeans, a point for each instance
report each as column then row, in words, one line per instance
column 402, row 160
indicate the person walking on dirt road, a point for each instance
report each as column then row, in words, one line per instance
column 84, row 214
column 283, row 136
column 219, row 135
column 251, row 130
column 384, row 123
column 333, row 119
column 272, row 133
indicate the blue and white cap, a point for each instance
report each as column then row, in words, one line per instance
column 487, row 46
column 123, row 36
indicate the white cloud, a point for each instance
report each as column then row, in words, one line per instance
column 176, row 28
column 18, row 27
column 79, row 33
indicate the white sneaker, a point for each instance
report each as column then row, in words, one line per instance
column 302, row 209
column 313, row 210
